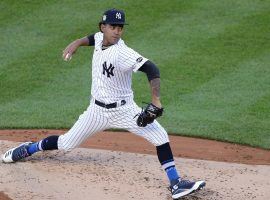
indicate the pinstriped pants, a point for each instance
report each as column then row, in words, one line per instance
column 96, row 119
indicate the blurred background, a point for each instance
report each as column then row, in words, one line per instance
column 213, row 56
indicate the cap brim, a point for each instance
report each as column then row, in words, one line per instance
column 113, row 23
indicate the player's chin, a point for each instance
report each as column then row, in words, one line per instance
column 114, row 40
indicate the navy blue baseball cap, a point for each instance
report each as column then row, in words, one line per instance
column 113, row 16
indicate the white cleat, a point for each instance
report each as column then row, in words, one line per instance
column 16, row 154
column 185, row 187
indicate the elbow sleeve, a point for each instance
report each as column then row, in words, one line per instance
column 150, row 69
column 91, row 39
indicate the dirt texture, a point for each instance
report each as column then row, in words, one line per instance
column 114, row 165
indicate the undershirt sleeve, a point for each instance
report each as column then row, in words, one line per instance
column 91, row 39
column 150, row 69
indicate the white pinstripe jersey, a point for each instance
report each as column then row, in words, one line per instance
column 112, row 70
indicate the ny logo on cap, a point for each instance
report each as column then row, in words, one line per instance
column 118, row 15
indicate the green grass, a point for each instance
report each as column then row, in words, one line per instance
column 213, row 57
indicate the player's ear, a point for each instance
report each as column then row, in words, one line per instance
column 101, row 27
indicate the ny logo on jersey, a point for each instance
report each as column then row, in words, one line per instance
column 108, row 70
column 118, row 15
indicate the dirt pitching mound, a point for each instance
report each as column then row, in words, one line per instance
column 184, row 147
column 111, row 175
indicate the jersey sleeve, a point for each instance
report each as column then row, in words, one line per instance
column 128, row 59
column 98, row 37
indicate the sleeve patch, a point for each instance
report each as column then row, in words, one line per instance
column 138, row 60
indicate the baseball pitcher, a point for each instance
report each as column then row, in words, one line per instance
column 112, row 105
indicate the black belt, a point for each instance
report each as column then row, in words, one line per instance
column 111, row 105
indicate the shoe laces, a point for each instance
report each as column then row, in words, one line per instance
column 21, row 152
column 184, row 181
column 181, row 181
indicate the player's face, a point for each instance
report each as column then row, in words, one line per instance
column 112, row 33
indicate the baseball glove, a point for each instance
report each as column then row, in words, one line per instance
column 148, row 115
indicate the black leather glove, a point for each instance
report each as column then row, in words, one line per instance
column 148, row 115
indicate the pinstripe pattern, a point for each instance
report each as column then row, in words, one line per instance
column 124, row 61
column 96, row 119
column 123, row 118
column 90, row 122
column 109, row 88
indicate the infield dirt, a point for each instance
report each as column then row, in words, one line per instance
column 87, row 173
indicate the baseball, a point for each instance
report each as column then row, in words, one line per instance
column 68, row 57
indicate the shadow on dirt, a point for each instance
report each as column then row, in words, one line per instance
column 202, row 195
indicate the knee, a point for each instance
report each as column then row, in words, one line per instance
column 161, row 142
column 64, row 144
column 163, row 139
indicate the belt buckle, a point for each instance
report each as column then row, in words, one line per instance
column 120, row 103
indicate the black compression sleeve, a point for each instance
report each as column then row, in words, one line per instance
column 91, row 39
column 50, row 143
column 164, row 153
column 150, row 69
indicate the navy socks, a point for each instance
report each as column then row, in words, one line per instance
column 33, row 148
column 166, row 160
column 49, row 143
column 172, row 175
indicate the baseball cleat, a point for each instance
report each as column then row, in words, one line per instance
column 185, row 187
column 17, row 153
